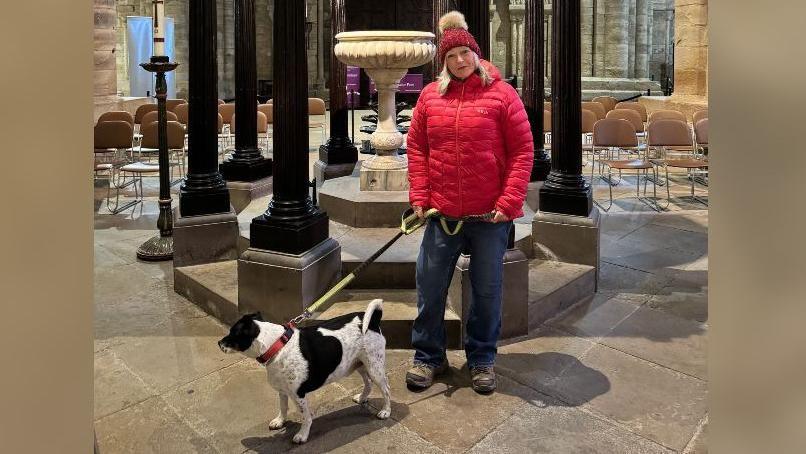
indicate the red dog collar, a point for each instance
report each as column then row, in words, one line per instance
column 277, row 345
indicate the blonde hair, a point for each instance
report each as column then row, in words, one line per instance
column 445, row 77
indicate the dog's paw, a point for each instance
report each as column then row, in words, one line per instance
column 276, row 423
column 299, row 439
column 383, row 414
column 357, row 399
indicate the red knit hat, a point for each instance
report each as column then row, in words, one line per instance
column 454, row 34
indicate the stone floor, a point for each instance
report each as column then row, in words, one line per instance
column 623, row 372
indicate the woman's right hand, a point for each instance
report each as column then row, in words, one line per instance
column 418, row 211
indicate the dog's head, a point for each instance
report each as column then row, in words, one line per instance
column 242, row 334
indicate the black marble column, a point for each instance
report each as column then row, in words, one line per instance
column 204, row 190
column 533, row 85
column 477, row 15
column 565, row 190
column 246, row 164
column 292, row 223
column 338, row 149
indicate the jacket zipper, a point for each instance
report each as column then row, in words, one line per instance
column 456, row 146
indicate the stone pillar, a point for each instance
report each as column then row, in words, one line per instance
column 291, row 259
column 337, row 156
column 642, row 21
column 105, row 72
column 247, row 164
column 587, row 36
column 207, row 230
column 614, row 46
column 440, row 8
column 691, row 48
column 631, row 33
column 504, row 34
column 477, row 15
column 565, row 190
column 534, row 89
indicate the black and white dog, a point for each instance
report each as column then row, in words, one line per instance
column 302, row 360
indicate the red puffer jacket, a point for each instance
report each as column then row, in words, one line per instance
column 470, row 151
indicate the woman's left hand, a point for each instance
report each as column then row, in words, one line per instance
column 499, row 217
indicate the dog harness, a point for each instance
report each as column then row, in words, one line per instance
column 277, row 345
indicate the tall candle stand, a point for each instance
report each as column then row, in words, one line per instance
column 161, row 247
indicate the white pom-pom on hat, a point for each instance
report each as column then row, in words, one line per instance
column 453, row 19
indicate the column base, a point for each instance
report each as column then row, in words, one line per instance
column 574, row 202
column 205, row 239
column 241, row 193
column 323, row 171
column 203, row 202
column 281, row 285
column 515, row 300
column 338, row 150
column 384, row 180
column 540, row 168
column 290, row 237
column 246, row 171
column 569, row 239
column 533, row 194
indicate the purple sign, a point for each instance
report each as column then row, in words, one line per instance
column 410, row 83
column 353, row 78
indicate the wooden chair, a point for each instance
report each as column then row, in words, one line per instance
column 596, row 108
column 153, row 117
column 262, row 126
column 149, row 147
column 316, row 107
column 141, row 111
column 701, row 137
column 636, row 106
column 674, row 134
column 181, row 111
column 111, row 140
column 616, row 133
column 699, row 115
column 588, row 120
column 608, row 102
column 547, row 129
column 666, row 115
column 117, row 115
column 170, row 104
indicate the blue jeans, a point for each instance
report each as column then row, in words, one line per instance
column 439, row 252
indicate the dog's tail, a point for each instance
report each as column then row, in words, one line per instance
column 372, row 316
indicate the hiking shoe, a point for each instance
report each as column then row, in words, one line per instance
column 483, row 378
column 421, row 375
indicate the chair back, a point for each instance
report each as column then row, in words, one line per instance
column 112, row 134
column 668, row 133
column 316, row 106
column 268, row 111
column 153, row 116
column 220, row 101
column 701, row 131
column 142, row 110
column 262, row 123
column 170, row 104
column 546, row 121
column 666, row 115
column 227, row 111
column 220, row 123
column 596, row 108
column 614, row 132
column 630, row 115
column 636, row 106
column 117, row 115
column 181, row 111
column 546, row 105
column 176, row 135
column 588, row 120
column 608, row 102
column 699, row 115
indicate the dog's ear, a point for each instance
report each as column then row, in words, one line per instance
column 258, row 316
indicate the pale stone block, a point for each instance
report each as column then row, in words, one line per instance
column 205, row 239
column 384, row 180
column 281, row 285
column 569, row 239
column 241, row 193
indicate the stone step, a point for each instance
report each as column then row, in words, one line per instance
column 399, row 312
column 395, row 268
column 556, row 286
column 212, row 286
column 553, row 288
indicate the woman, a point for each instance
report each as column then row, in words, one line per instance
column 470, row 156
